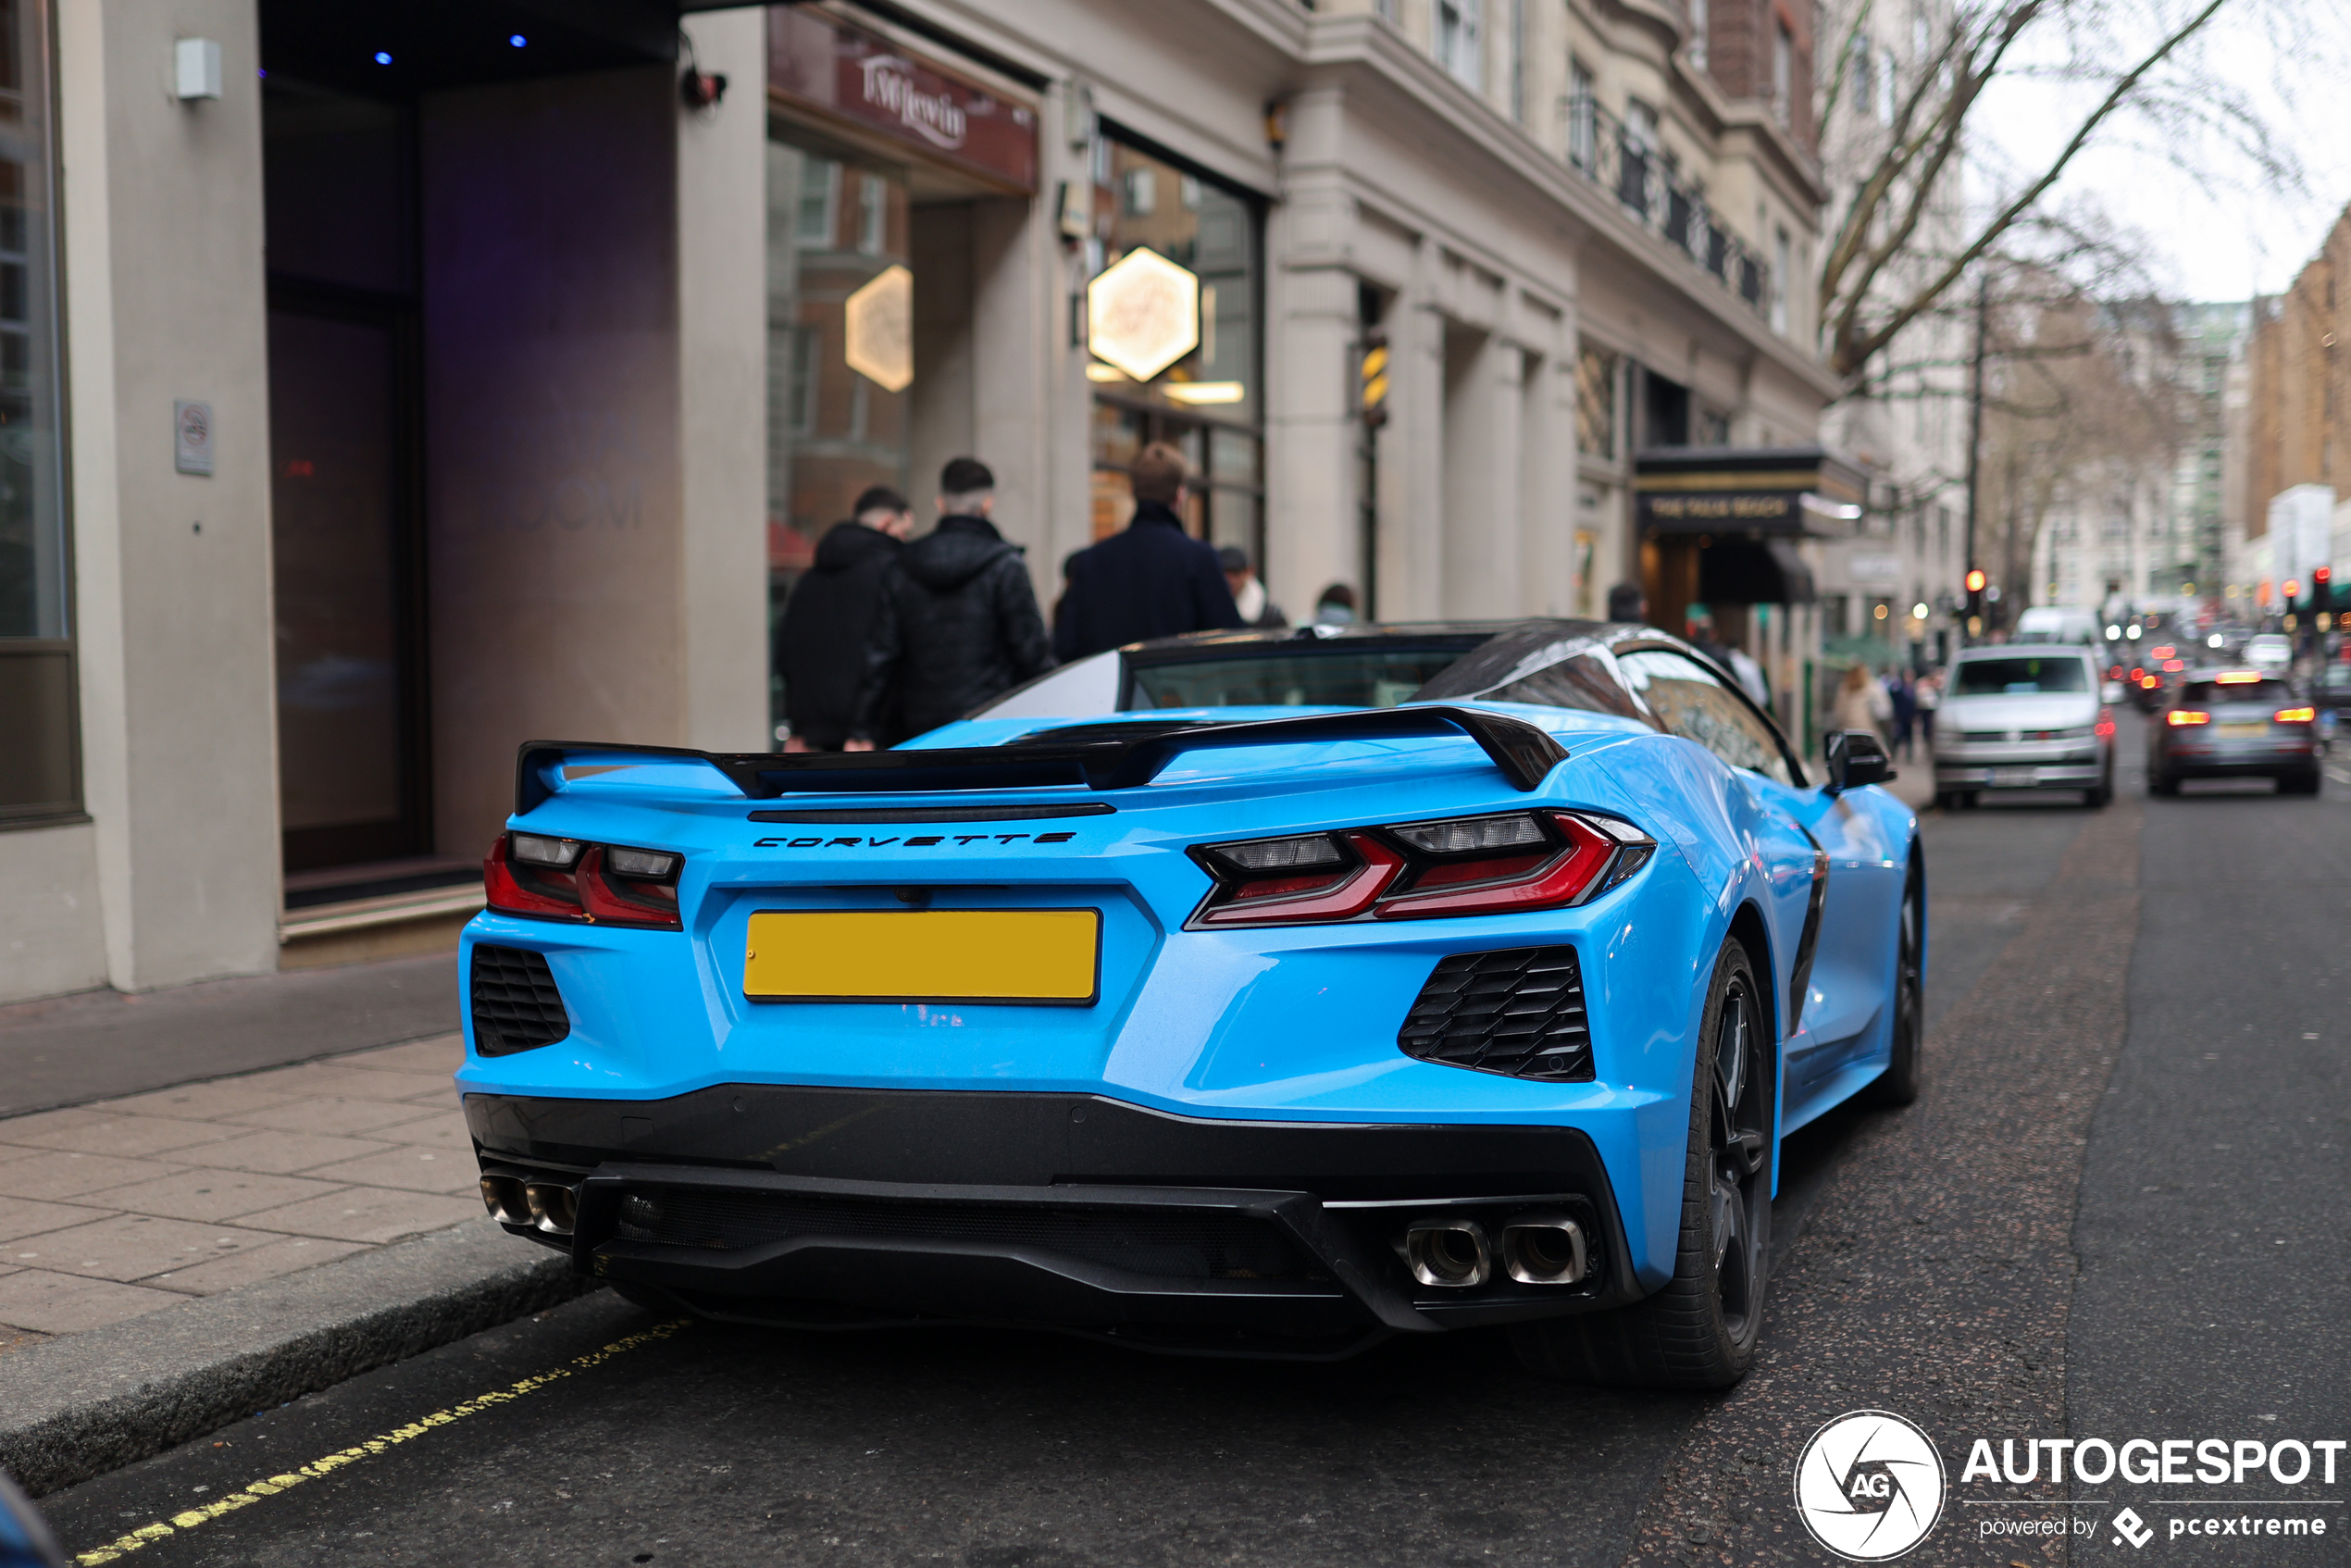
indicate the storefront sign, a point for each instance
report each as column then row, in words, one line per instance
column 1142, row 314
column 879, row 329
column 1733, row 510
column 815, row 63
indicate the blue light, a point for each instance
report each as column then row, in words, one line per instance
column 517, row 41
column 382, row 59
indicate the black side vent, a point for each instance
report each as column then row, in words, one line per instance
column 1519, row 1012
column 517, row 1006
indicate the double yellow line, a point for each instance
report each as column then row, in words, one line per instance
column 270, row 1486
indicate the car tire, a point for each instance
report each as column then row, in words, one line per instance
column 1700, row 1330
column 2299, row 783
column 2162, row 784
column 1899, row 1085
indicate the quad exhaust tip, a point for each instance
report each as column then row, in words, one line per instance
column 553, row 1206
column 1452, row 1253
column 503, row 1197
column 1543, row 1250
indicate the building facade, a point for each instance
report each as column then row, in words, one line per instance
column 404, row 389
column 2296, row 437
column 1892, row 590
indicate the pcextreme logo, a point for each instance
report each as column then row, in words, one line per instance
column 1869, row 1486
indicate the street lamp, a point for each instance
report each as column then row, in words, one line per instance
column 2131, row 632
column 2114, row 634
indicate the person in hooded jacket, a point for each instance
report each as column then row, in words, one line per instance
column 820, row 649
column 1154, row 579
column 957, row 623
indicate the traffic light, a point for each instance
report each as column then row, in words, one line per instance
column 2323, row 589
column 1975, row 581
column 1371, row 383
column 2292, row 591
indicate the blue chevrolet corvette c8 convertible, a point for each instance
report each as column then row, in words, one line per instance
column 1256, row 992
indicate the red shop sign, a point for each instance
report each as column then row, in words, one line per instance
column 858, row 75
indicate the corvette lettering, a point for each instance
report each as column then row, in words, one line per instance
column 919, row 841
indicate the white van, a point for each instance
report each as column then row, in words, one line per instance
column 2056, row 623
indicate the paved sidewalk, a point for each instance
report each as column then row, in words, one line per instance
column 122, row 1207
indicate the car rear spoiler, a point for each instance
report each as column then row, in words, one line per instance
column 1525, row 754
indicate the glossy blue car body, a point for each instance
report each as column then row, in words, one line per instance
column 1289, row 1024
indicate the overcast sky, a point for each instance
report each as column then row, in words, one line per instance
column 2239, row 234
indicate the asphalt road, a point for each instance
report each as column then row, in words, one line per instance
column 2113, row 1216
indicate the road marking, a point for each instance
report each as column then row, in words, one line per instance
column 270, row 1486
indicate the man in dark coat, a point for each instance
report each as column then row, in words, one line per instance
column 820, row 649
column 1154, row 579
column 957, row 623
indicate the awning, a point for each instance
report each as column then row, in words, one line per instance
column 1736, row 570
column 1806, row 492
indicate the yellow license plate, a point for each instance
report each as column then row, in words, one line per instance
column 924, row 956
column 2244, row 732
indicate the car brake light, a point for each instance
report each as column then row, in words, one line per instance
column 566, row 879
column 2186, row 716
column 1463, row 865
column 2298, row 716
column 2238, row 678
column 2172, row 664
column 2106, row 722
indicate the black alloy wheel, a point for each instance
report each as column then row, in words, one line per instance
column 1741, row 1201
column 1700, row 1330
column 1899, row 1085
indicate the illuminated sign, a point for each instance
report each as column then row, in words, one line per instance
column 879, row 329
column 1142, row 314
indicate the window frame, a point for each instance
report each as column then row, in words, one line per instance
column 1796, row 777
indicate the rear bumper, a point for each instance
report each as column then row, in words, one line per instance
column 833, row 1208
column 2258, row 759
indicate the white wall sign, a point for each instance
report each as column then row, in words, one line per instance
column 191, row 433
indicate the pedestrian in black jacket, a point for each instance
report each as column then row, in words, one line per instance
column 1152, row 580
column 957, row 623
column 820, row 649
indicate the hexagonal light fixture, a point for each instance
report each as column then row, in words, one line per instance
column 879, row 329
column 1142, row 314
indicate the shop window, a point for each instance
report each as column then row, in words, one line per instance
column 1459, row 40
column 1596, row 402
column 833, row 229
column 1207, row 402
column 40, row 772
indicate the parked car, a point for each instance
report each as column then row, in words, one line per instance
column 1248, row 992
column 2023, row 718
column 2270, row 651
column 2240, row 723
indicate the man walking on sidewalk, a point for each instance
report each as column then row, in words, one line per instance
column 1152, row 581
column 820, row 650
column 957, row 622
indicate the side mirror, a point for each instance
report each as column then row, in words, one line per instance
column 1856, row 757
column 2111, row 692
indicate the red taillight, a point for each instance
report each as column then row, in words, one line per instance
column 2172, row 664
column 2139, row 674
column 2298, row 716
column 2106, row 722
column 1465, row 866
column 1290, row 898
column 2178, row 716
column 586, row 885
column 2150, row 682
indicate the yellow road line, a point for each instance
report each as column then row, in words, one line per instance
column 270, row 1487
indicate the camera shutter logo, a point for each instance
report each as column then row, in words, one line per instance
column 1869, row 1486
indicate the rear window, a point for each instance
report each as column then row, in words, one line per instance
column 2213, row 693
column 2019, row 677
column 2337, row 677
column 1368, row 677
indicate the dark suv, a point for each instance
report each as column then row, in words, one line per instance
column 2235, row 723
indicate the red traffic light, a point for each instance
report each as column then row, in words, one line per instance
column 2292, row 590
column 2323, row 576
column 1976, row 579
